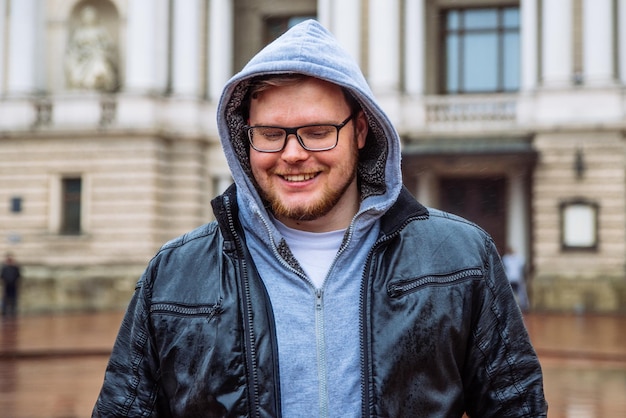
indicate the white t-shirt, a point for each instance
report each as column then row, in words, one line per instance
column 315, row 251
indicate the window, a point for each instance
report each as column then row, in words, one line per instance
column 276, row 26
column 16, row 204
column 482, row 50
column 579, row 225
column 71, row 190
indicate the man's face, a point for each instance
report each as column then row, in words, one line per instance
column 309, row 190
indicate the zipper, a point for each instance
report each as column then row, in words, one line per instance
column 364, row 340
column 187, row 310
column 319, row 329
column 365, row 313
column 321, row 352
column 248, row 323
column 398, row 289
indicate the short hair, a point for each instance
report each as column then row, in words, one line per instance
column 262, row 83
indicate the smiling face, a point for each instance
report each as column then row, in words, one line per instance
column 308, row 190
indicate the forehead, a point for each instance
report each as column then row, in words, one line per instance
column 299, row 97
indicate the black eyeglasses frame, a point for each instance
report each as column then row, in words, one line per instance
column 294, row 131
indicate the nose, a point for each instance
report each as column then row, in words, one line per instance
column 293, row 150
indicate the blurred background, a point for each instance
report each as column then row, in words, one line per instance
column 511, row 113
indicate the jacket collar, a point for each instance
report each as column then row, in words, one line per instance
column 404, row 209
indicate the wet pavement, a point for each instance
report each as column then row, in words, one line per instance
column 52, row 366
column 584, row 364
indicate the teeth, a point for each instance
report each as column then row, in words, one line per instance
column 299, row 177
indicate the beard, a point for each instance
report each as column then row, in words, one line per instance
column 316, row 209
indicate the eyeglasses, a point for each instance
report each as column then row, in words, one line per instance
column 319, row 137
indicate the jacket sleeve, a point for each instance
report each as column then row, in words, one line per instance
column 130, row 381
column 504, row 377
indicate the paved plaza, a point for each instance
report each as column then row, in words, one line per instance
column 52, row 366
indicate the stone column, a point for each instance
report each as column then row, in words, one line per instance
column 221, row 32
column 517, row 222
column 621, row 39
column 324, row 12
column 425, row 181
column 3, row 25
column 147, row 43
column 557, row 51
column 343, row 19
column 384, row 44
column 529, row 26
column 185, row 53
column 25, row 57
column 598, row 42
column 414, row 47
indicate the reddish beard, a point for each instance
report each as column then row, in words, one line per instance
column 314, row 210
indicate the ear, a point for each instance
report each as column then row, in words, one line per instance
column 361, row 129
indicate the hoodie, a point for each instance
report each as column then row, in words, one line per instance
column 317, row 328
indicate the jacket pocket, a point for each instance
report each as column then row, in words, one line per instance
column 180, row 309
column 399, row 288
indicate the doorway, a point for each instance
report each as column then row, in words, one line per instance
column 480, row 200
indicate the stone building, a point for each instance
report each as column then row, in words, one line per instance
column 512, row 114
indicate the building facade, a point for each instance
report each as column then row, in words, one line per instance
column 512, row 114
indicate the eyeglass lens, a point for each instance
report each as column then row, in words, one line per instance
column 312, row 137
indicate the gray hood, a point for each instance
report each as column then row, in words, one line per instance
column 310, row 49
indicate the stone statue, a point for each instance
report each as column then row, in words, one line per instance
column 91, row 59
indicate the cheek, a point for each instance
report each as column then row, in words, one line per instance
column 260, row 162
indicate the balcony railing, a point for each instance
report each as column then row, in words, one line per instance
column 466, row 111
column 82, row 112
column 413, row 115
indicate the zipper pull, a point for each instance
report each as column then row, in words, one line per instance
column 318, row 299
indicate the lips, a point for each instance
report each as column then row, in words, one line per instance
column 299, row 177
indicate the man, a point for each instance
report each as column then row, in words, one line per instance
column 515, row 268
column 10, row 275
column 322, row 288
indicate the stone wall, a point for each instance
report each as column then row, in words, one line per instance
column 567, row 294
column 590, row 279
column 85, row 288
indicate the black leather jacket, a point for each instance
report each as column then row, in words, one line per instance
column 441, row 333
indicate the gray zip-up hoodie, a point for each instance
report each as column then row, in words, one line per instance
column 317, row 329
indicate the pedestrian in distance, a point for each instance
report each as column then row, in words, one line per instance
column 515, row 268
column 10, row 275
column 323, row 288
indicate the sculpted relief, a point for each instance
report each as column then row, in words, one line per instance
column 91, row 61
